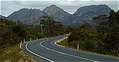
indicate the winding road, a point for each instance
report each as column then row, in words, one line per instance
column 46, row 50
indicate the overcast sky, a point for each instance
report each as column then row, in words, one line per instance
column 9, row 6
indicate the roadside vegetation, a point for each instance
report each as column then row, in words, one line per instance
column 12, row 33
column 14, row 54
column 102, row 38
column 63, row 43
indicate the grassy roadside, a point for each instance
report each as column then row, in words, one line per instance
column 65, row 44
column 14, row 54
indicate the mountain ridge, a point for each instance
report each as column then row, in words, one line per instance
column 3, row 17
column 82, row 15
column 28, row 16
column 57, row 13
column 86, row 13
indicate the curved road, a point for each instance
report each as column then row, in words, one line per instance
column 50, row 52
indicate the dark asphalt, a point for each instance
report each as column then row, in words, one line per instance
column 50, row 52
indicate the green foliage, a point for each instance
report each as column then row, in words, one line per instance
column 63, row 43
column 11, row 34
column 111, row 39
column 103, row 38
column 50, row 27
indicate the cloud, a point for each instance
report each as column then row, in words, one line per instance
column 9, row 6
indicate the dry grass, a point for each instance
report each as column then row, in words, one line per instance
column 14, row 54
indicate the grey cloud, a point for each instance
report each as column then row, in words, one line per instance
column 8, row 7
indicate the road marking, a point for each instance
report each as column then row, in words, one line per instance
column 37, row 54
column 65, row 53
column 59, row 41
column 20, row 44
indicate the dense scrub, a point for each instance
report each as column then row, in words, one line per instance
column 102, row 38
column 12, row 33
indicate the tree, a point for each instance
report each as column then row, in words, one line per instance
column 73, row 40
column 47, row 24
column 110, row 30
column 51, row 27
column 19, row 30
column 102, row 38
column 82, row 37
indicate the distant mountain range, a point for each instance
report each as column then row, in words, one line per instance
column 2, row 17
column 58, row 14
column 87, row 13
column 82, row 15
column 27, row 16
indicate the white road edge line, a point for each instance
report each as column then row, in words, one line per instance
column 37, row 54
column 66, row 53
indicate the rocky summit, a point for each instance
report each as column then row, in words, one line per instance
column 82, row 15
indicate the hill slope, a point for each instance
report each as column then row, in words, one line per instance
column 27, row 16
column 85, row 14
column 58, row 14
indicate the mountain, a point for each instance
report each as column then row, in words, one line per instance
column 82, row 15
column 58, row 14
column 3, row 17
column 85, row 14
column 27, row 16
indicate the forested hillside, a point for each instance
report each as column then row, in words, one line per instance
column 12, row 33
column 102, row 38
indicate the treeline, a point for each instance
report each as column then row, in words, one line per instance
column 49, row 27
column 102, row 38
column 12, row 33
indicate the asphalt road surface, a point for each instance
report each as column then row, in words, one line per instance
column 48, row 51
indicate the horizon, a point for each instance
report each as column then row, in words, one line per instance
column 8, row 7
